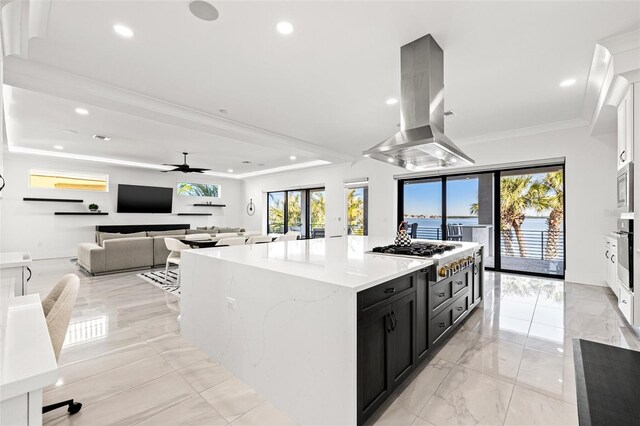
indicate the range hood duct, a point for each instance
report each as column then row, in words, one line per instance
column 421, row 143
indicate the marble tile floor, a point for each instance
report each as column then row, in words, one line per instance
column 509, row 363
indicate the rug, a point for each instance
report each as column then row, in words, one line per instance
column 157, row 278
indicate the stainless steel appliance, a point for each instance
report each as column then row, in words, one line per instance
column 625, row 253
column 421, row 143
column 625, row 189
column 448, row 258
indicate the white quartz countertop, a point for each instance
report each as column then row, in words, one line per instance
column 28, row 361
column 14, row 259
column 339, row 261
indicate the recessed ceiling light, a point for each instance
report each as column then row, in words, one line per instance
column 58, row 147
column 203, row 10
column 101, row 137
column 82, row 111
column 568, row 82
column 293, row 157
column 230, row 170
column 284, row 27
column 454, row 160
column 390, row 160
column 392, row 101
column 123, row 31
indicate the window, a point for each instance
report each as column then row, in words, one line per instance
column 300, row 210
column 68, row 180
column 357, row 200
column 191, row 189
column 518, row 214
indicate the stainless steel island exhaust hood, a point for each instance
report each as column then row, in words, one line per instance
column 421, row 143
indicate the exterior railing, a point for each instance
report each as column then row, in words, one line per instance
column 317, row 229
column 535, row 243
column 355, row 230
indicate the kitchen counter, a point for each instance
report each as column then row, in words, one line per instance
column 14, row 259
column 282, row 317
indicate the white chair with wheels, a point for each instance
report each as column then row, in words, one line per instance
column 197, row 237
column 231, row 241
column 259, row 239
column 286, row 237
column 57, row 307
column 296, row 233
column 175, row 246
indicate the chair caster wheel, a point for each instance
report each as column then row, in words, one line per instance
column 74, row 408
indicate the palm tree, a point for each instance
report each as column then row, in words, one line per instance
column 317, row 209
column 553, row 183
column 355, row 210
column 517, row 195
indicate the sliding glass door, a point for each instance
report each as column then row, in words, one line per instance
column 357, row 214
column 470, row 208
column 518, row 214
column 532, row 221
column 423, row 208
column 300, row 211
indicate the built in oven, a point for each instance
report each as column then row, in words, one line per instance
column 625, row 253
column 625, row 189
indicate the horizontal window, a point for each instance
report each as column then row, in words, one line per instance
column 68, row 180
column 191, row 189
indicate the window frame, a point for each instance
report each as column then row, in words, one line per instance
column 305, row 200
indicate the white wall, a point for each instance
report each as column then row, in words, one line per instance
column 590, row 186
column 33, row 227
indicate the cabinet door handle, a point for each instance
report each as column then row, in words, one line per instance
column 394, row 320
column 475, row 269
column 390, row 290
column 442, row 325
column 607, row 254
column 459, row 283
column 29, row 269
column 441, row 294
column 387, row 320
column 613, row 258
column 623, row 156
column 624, row 301
column 459, row 308
column 3, row 182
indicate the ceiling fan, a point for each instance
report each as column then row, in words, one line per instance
column 184, row 168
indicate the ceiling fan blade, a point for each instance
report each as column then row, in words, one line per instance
column 197, row 170
column 174, row 165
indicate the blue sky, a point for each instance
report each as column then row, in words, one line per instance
column 424, row 198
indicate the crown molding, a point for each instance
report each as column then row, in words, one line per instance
column 523, row 131
column 52, row 81
column 22, row 20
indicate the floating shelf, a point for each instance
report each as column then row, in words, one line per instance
column 80, row 214
column 194, row 214
column 53, row 200
column 210, row 205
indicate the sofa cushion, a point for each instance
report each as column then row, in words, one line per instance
column 166, row 233
column 128, row 253
column 226, row 230
column 104, row 236
column 200, row 231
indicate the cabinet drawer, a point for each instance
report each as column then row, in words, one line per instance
column 379, row 293
column 440, row 324
column 440, row 294
column 459, row 307
column 460, row 282
column 625, row 303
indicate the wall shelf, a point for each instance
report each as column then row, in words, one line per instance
column 53, row 200
column 194, row 214
column 210, row 205
column 80, row 214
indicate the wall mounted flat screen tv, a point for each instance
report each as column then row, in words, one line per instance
column 144, row 199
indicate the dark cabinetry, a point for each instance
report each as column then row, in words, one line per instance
column 400, row 322
column 386, row 341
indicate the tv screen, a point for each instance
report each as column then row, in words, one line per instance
column 144, row 199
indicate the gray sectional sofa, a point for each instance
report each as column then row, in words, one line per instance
column 113, row 252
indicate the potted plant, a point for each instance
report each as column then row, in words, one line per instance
column 93, row 207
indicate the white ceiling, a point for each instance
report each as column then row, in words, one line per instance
column 39, row 121
column 327, row 82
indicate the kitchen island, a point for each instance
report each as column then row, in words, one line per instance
column 284, row 318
